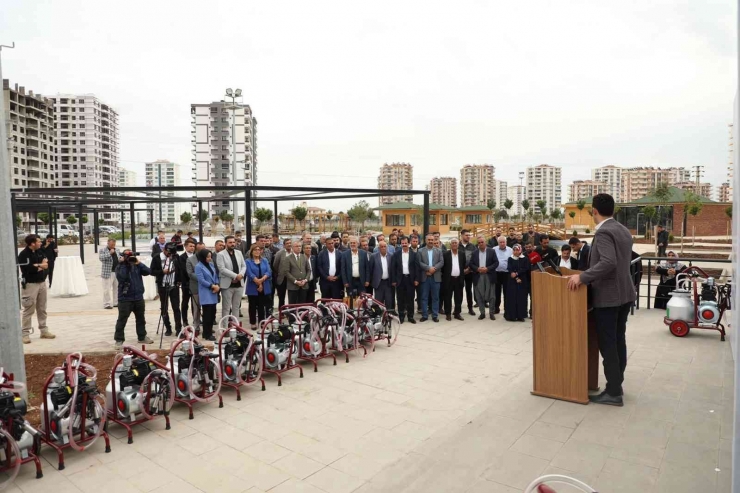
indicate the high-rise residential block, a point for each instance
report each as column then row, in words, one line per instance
column 31, row 138
column 612, row 176
column 126, row 177
column 730, row 162
column 163, row 173
column 224, row 146
column 639, row 182
column 516, row 194
column 87, row 137
column 703, row 189
column 396, row 176
column 724, row 193
column 586, row 189
column 544, row 183
column 500, row 193
column 477, row 184
column 444, row 191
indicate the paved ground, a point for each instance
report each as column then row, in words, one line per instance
column 447, row 409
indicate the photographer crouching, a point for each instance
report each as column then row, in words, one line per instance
column 131, row 296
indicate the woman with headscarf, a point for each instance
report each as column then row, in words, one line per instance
column 208, row 288
column 515, row 302
column 668, row 270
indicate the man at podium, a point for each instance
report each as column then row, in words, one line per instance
column 608, row 275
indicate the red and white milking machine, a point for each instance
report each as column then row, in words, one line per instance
column 240, row 355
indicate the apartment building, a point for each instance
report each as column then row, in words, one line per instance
column 224, row 147
column 516, row 194
column 444, row 191
column 703, row 189
column 31, row 142
column 165, row 173
column 477, row 184
column 544, row 183
column 612, row 176
column 639, row 182
column 724, row 193
column 586, row 189
column 396, row 176
column 730, row 162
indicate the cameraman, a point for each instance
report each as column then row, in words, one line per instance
column 131, row 296
column 165, row 267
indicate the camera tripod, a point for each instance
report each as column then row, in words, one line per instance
column 162, row 307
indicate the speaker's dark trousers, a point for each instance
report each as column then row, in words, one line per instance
column 469, row 290
column 297, row 296
column 124, row 312
column 611, row 329
column 385, row 294
column 454, row 290
column 184, row 304
column 405, row 292
column 281, row 289
column 501, row 279
column 174, row 300
column 331, row 289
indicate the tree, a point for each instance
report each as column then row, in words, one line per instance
column 71, row 219
column 692, row 206
column 300, row 213
column 555, row 214
column 662, row 194
column 580, row 205
column 262, row 214
column 18, row 221
column 360, row 212
column 186, row 217
column 43, row 217
column 572, row 214
column 650, row 213
column 728, row 211
column 525, row 206
column 203, row 216
column 84, row 220
column 491, row 204
column 508, row 204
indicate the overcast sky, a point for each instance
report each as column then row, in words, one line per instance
column 339, row 88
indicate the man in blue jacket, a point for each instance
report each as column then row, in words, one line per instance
column 131, row 297
column 355, row 269
column 329, row 271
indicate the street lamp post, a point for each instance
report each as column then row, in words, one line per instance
column 234, row 180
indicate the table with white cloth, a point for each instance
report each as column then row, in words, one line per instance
column 150, row 282
column 69, row 277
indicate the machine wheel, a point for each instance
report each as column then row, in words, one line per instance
column 679, row 328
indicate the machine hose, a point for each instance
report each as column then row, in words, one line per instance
column 72, row 376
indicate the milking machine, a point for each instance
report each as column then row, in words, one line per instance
column 690, row 308
column 344, row 326
column 239, row 355
column 279, row 348
column 313, row 336
column 140, row 389
column 378, row 323
column 19, row 441
column 72, row 413
column 196, row 375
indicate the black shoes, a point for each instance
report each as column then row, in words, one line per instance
column 448, row 318
column 412, row 321
column 435, row 319
column 493, row 317
column 482, row 316
column 497, row 311
column 471, row 312
column 423, row 319
column 168, row 332
column 458, row 317
column 604, row 398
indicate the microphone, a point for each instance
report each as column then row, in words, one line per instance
column 549, row 261
column 536, row 259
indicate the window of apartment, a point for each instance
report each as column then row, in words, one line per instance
column 15, row 181
column 395, row 220
column 82, row 142
column 80, row 101
column 444, row 219
column 15, row 160
column 82, row 126
column 15, row 171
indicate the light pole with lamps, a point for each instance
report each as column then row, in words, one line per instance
column 235, row 181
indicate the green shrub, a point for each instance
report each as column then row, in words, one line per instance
column 575, row 233
column 588, row 231
column 671, row 238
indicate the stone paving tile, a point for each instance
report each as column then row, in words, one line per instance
column 448, row 408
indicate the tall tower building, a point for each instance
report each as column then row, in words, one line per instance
column 586, row 189
column 224, row 140
column 703, row 189
column 723, row 193
column 612, row 176
column 444, row 191
column 516, row 194
column 163, row 173
column 730, row 163
column 396, row 176
column 87, row 137
column 640, row 181
column 477, row 184
column 543, row 183
column 500, row 194
column 31, row 138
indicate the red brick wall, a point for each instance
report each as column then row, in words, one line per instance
column 711, row 221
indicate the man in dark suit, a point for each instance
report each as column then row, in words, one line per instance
column 545, row 250
column 566, row 260
column 330, row 272
column 430, row 266
column 483, row 263
column 320, row 244
column 531, row 236
column 278, row 271
column 405, row 278
column 468, row 247
column 608, row 275
column 295, row 272
column 582, row 249
column 662, row 240
column 311, row 272
column 453, row 278
column 381, row 276
column 355, row 269
column 165, row 267
column 185, row 280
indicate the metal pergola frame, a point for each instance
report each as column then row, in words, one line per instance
column 97, row 200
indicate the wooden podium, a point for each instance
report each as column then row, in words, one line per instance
column 566, row 353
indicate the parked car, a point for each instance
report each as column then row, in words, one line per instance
column 67, row 230
column 42, row 232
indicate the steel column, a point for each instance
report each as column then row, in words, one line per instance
column 133, row 227
column 275, row 227
column 82, row 236
column 35, row 222
column 426, row 216
column 200, row 220
column 123, row 230
column 248, row 216
column 151, row 222
column 96, row 230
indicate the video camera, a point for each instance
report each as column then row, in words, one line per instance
column 173, row 248
column 129, row 256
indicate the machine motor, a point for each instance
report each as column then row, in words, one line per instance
column 233, row 352
column 130, row 376
column 203, row 375
column 58, row 404
column 12, row 413
column 278, row 347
